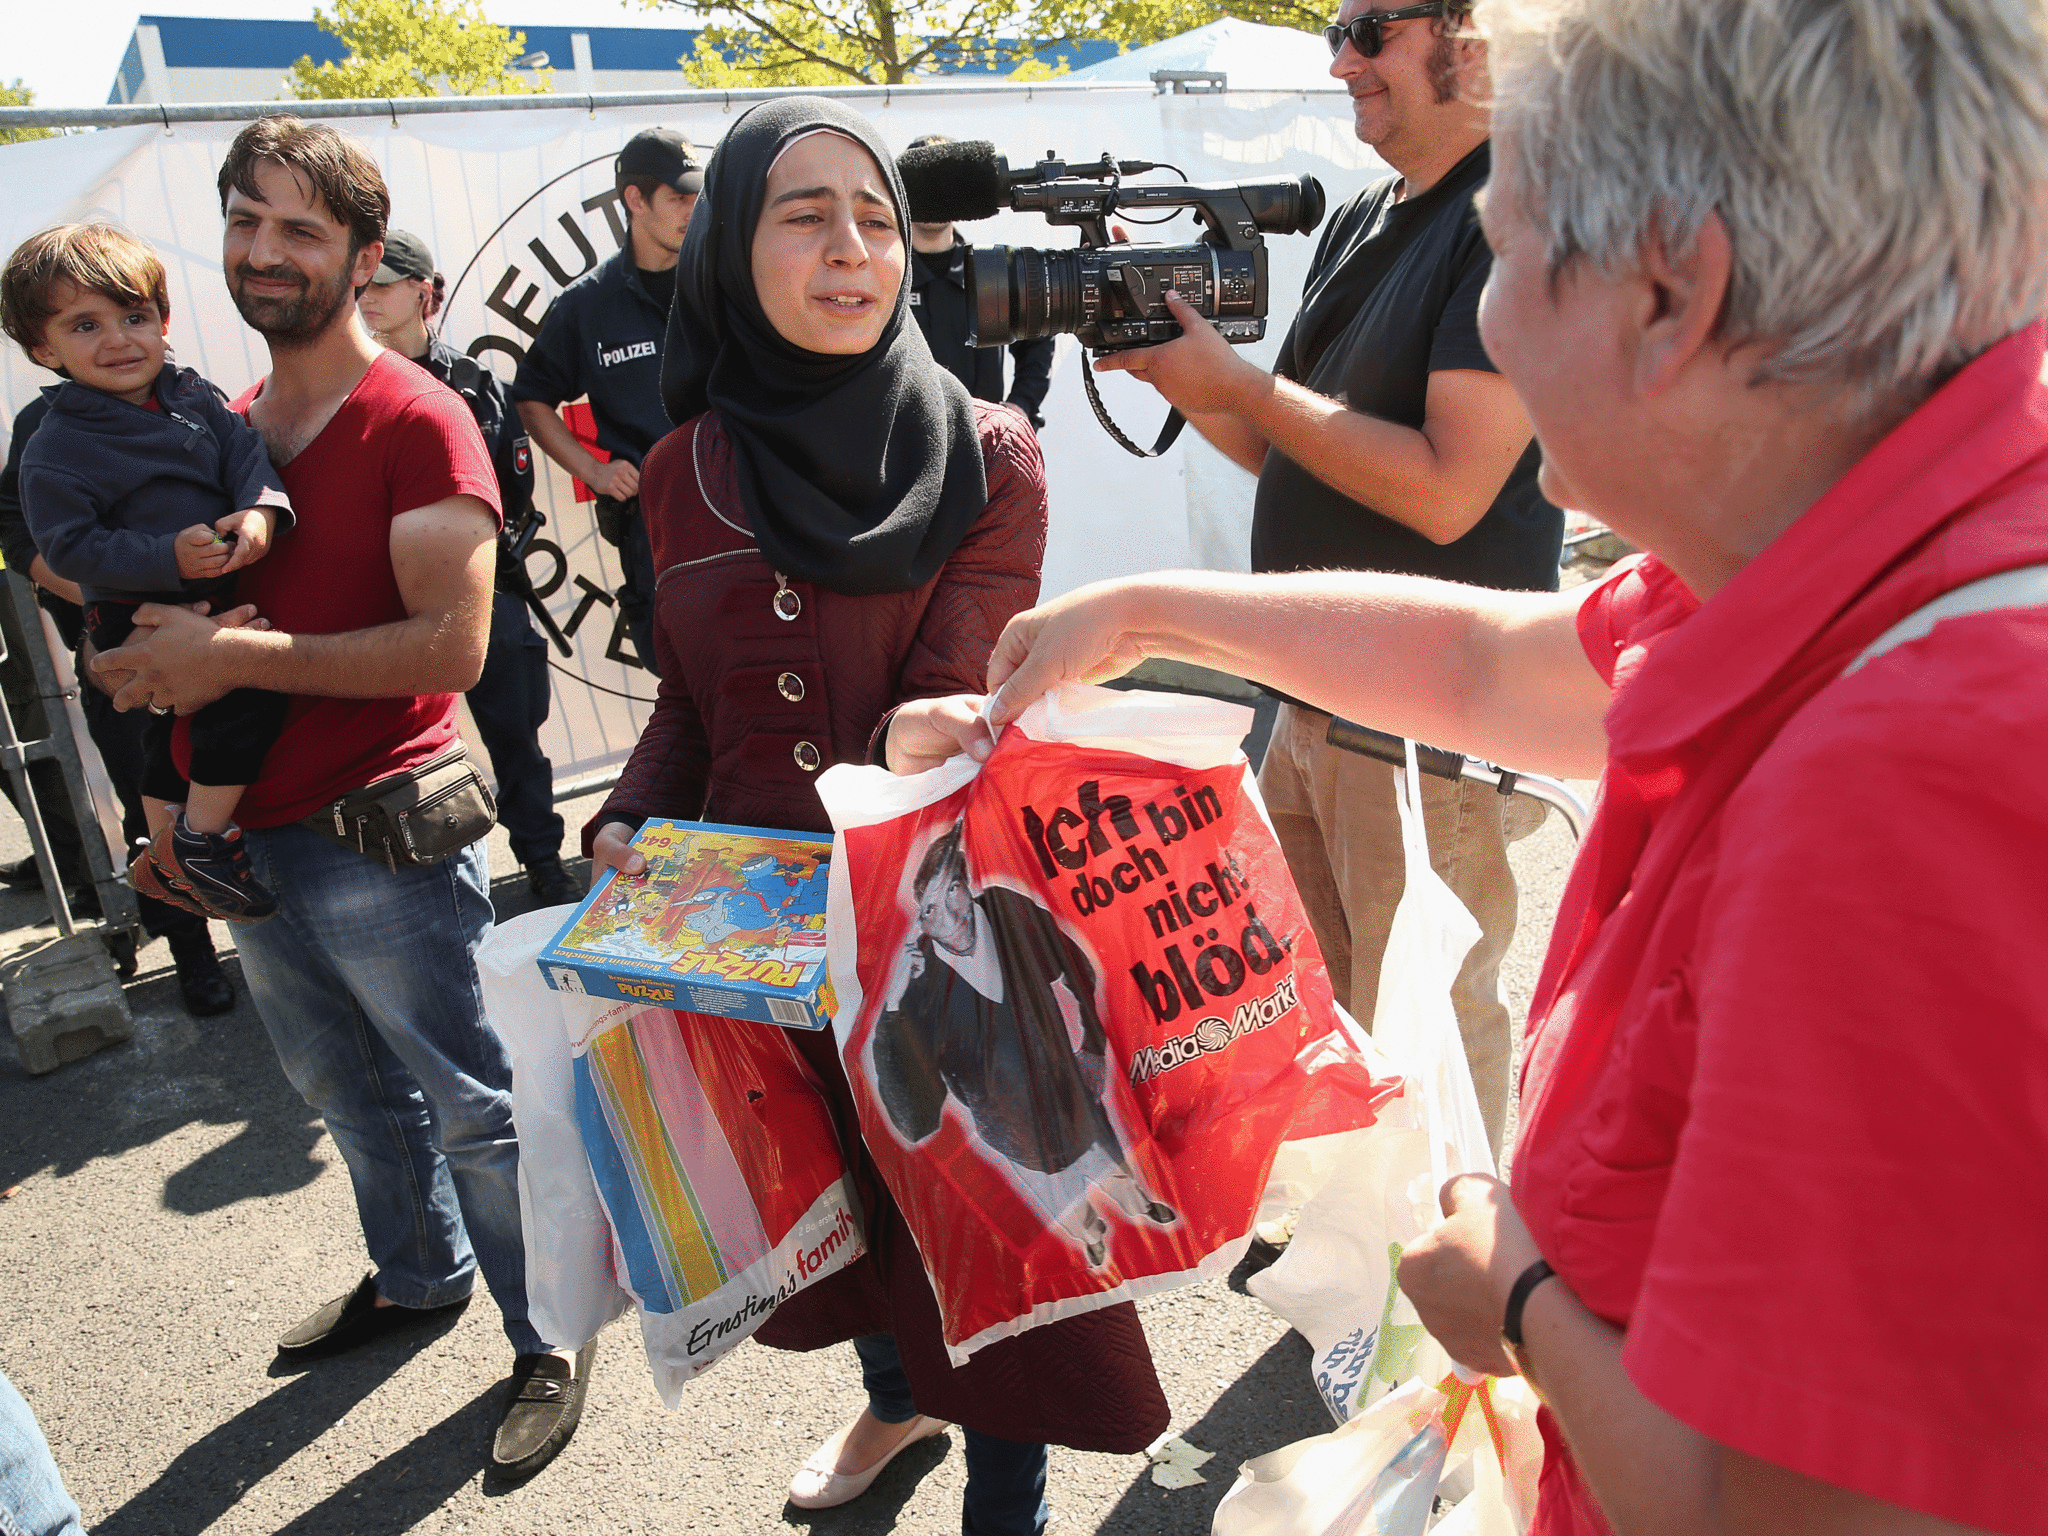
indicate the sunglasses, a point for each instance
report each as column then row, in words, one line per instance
column 1364, row 32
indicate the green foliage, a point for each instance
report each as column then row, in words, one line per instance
column 416, row 48
column 877, row 42
column 846, row 42
column 19, row 95
column 1138, row 22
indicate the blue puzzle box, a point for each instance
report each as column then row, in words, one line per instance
column 724, row 920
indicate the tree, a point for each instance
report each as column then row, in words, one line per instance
column 885, row 42
column 1138, row 22
column 847, row 42
column 416, row 48
column 19, row 95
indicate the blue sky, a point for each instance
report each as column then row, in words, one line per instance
column 69, row 53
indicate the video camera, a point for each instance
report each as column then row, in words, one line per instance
column 1110, row 295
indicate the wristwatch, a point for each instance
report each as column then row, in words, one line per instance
column 1511, row 1320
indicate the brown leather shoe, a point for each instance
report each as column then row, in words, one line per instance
column 546, row 1405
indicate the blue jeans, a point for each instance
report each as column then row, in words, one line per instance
column 1005, row 1478
column 510, row 704
column 366, row 980
column 32, row 1497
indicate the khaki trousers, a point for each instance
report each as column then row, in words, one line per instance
column 1340, row 828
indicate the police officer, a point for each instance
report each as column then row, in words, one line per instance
column 510, row 700
column 602, row 337
column 938, row 297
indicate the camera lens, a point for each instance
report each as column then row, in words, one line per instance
column 1015, row 295
column 988, row 295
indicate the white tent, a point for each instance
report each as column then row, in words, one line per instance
column 1255, row 58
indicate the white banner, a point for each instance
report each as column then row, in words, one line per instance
column 517, row 204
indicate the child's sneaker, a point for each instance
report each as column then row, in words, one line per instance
column 215, row 867
column 148, row 878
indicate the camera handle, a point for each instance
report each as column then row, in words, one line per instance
column 1169, row 430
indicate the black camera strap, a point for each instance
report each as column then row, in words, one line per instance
column 1169, row 430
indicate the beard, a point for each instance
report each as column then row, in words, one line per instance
column 291, row 320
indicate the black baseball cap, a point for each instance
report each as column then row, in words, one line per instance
column 405, row 255
column 663, row 153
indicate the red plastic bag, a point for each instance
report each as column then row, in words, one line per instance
column 1080, row 1005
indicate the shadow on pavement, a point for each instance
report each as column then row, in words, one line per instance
column 1261, row 1255
column 177, row 1071
column 1273, row 1404
column 411, row 1483
column 875, row 1512
column 215, row 1473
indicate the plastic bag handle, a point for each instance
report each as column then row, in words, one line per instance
column 1458, row 1396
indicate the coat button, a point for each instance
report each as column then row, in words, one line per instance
column 791, row 687
column 787, row 604
column 808, row 757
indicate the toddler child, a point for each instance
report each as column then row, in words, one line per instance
column 142, row 486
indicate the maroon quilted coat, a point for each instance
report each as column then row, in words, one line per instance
column 753, row 706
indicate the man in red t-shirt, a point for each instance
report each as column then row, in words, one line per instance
column 378, row 605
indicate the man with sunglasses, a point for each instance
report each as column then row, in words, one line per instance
column 1385, row 439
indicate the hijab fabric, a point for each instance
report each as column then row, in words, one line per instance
column 858, row 473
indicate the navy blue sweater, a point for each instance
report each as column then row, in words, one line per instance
column 108, row 485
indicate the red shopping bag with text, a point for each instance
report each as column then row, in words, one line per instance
column 1080, row 1005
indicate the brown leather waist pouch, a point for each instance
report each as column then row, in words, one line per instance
column 414, row 818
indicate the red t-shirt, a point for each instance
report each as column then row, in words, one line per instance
column 1786, row 1096
column 402, row 440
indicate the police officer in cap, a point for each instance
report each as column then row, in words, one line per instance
column 510, row 700
column 602, row 337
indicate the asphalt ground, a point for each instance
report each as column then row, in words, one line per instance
column 169, row 1206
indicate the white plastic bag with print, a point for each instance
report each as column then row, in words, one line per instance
column 571, row 1291
column 1382, row 1473
column 1374, row 1191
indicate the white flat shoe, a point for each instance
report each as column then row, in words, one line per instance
column 817, row 1486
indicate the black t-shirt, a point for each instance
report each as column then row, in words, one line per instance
column 1392, row 297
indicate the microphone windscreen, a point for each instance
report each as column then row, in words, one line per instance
column 949, row 182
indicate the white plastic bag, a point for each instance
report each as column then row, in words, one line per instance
column 571, row 1291
column 1381, row 1473
column 1414, row 1021
column 1335, row 1282
column 749, row 1246
column 1371, row 1192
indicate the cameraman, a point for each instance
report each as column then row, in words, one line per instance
column 602, row 337
column 938, row 298
column 1386, row 440
column 510, row 700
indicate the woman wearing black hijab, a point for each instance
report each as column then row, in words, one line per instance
column 838, row 528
